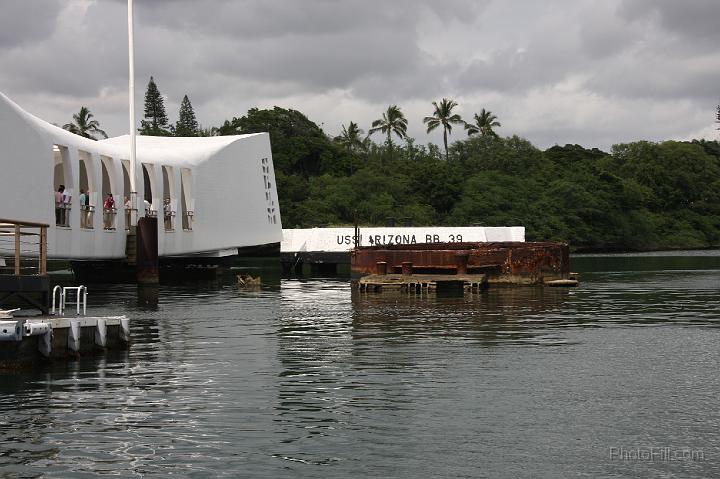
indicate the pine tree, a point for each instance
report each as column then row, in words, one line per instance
column 187, row 124
column 156, row 120
column 717, row 117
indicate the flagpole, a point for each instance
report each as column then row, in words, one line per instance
column 131, row 104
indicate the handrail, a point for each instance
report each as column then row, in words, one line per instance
column 61, row 303
column 29, row 224
column 80, row 298
column 14, row 228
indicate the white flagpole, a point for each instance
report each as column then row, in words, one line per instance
column 131, row 103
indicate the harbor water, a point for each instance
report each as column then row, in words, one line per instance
column 306, row 378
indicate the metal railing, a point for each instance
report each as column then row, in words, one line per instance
column 187, row 220
column 59, row 297
column 109, row 218
column 87, row 217
column 62, row 215
column 169, row 222
column 26, row 244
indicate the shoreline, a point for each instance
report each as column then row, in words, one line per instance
column 599, row 251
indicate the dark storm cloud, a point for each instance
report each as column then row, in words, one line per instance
column 79, row 59
column 559, row 62
column 257, row 19
column 514, row 69
column 693, row 19
column 26, row 22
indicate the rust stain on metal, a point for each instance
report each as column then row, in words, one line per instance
column 504, row 262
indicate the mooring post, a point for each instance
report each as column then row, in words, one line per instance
column 461, row 261
column 147, row 266
column 407, row 268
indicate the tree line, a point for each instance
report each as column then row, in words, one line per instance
column 638, row 196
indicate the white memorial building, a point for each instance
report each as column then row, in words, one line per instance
column 211, row 195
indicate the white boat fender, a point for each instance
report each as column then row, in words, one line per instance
column 45, row 342
column 125, row 330
column 11, row 330
column 74, row 336
column 101, row 333
column 36, row 328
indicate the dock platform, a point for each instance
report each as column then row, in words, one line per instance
column 423, row 283
column 53, row 334
column 27, row 340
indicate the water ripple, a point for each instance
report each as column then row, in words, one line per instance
column 310, row 378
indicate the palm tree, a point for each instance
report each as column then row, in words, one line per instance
column 350, row 139
column 84, row 125
column 443, row 116
column 484, row 124
column 392, row 121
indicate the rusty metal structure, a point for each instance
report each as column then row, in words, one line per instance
column 518, row 263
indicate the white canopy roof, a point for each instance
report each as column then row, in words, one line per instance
column 171, row 151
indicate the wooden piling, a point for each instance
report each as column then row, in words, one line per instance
column 147, row 262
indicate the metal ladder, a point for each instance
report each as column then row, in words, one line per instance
column 61, row 293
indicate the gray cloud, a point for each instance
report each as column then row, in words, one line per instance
column 558, row 71
column 689, row 19
column 27, row 22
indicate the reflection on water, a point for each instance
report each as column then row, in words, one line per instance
column 308, row 378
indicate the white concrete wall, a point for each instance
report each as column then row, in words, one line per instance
column 231, row 195
column 230, row 202
column 341, row 239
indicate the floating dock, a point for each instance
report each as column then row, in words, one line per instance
column 25, row 341
column 424, row 283
column 57, row 332
column 510, row 263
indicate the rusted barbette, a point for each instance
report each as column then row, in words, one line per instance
column 469, row 264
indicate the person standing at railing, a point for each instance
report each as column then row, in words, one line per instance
column 83, row 208
column 128, row 207
column 67, row 200
column 108, row 211
column 59, row 217
column 167, row 213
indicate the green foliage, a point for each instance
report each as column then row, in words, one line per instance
column 443, row 116
column 392, row 121
column 187, row 124
column 639, row 196
column 485, row 121
column 84, row 125
column 156, row 120
column 299, row 146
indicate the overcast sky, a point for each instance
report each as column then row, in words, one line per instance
column 593, row 72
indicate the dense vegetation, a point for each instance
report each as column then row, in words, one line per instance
column 639, row 196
